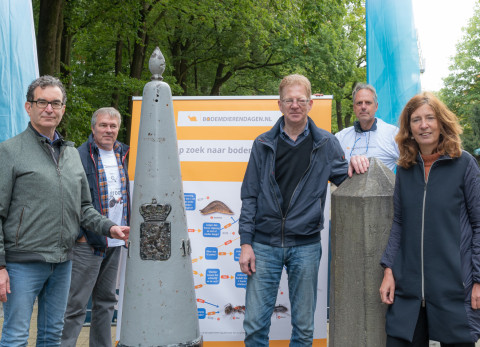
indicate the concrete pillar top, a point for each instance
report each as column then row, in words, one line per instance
column 379, row 180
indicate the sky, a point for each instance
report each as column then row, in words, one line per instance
column 439, row 26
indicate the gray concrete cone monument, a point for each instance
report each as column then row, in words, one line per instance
column 159, row 305
column 362, row 212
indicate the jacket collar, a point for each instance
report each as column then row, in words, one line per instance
column 60, row 141
column 442, row 157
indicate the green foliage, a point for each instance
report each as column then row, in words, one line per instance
column 75, row 125
column 462, row 86
column 211, row 47
column 471, row 130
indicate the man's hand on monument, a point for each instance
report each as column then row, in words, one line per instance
column 358, row 164
column 120, row 232
column 387, row 289
column 247, row 260
column 4, row 285
column 476, row 296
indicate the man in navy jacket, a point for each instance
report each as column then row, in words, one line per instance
column 283, row 196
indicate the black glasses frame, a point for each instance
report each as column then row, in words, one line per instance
column 56, row 105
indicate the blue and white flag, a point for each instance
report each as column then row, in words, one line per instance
column 393, row 64
column 18, row 64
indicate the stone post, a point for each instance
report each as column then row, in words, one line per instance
column 362, row 213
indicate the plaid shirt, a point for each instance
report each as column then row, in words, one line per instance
column 103, row 189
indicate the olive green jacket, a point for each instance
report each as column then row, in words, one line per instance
column 42, row 202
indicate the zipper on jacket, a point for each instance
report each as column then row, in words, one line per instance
column 52, row 153
column 61, row 191
column 422, row 243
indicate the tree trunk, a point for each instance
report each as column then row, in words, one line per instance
column 65, row 56
column 66, row 46
column 182, row 69
column 50, row 26
column 219, row 79
column 138, row 59
column 140, row 45
column 58, row 48
column 348, row 117
column 118, row 70
column 180, row 66
column 195, row 74
column 338, row 108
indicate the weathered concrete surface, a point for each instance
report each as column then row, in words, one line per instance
column 362, row 212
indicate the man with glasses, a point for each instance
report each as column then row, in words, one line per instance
column 369, row 136
column 283, row 194
column 44, row 197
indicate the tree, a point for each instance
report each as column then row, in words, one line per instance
column 462, row 86
column 471, row 134
column 211, row 47
column 50, row 28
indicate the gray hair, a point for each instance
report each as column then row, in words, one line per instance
column 360, row 86
column 43, row 82
column 112, row 112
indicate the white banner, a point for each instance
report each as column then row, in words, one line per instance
column 227, row 118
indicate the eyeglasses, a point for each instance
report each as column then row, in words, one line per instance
column 44, row 103
column 300, row 102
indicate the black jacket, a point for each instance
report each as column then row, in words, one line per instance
column 261, row 218
column 434, row 249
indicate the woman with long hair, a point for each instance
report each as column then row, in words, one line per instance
column 432, row 261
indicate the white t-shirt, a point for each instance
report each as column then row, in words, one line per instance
column 379, row 143
column 115, row 199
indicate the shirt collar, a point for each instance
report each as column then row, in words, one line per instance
column 56, row 135
column 115, row 149
column 359, row 129
column 304, row 133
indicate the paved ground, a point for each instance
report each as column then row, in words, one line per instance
column 84, row 334
column 82, row 339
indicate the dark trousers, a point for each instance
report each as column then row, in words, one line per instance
column 420, row 336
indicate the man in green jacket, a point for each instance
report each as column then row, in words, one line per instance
column 44, row 198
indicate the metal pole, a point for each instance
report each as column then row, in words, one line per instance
column 159, row 306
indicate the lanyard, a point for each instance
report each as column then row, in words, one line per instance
column 367, row 138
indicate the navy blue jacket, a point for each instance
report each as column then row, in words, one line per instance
column 89, row 156
column 261, row 218
column 434, row 249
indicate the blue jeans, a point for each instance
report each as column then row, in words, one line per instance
column 302, row 263
column 50, row 282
